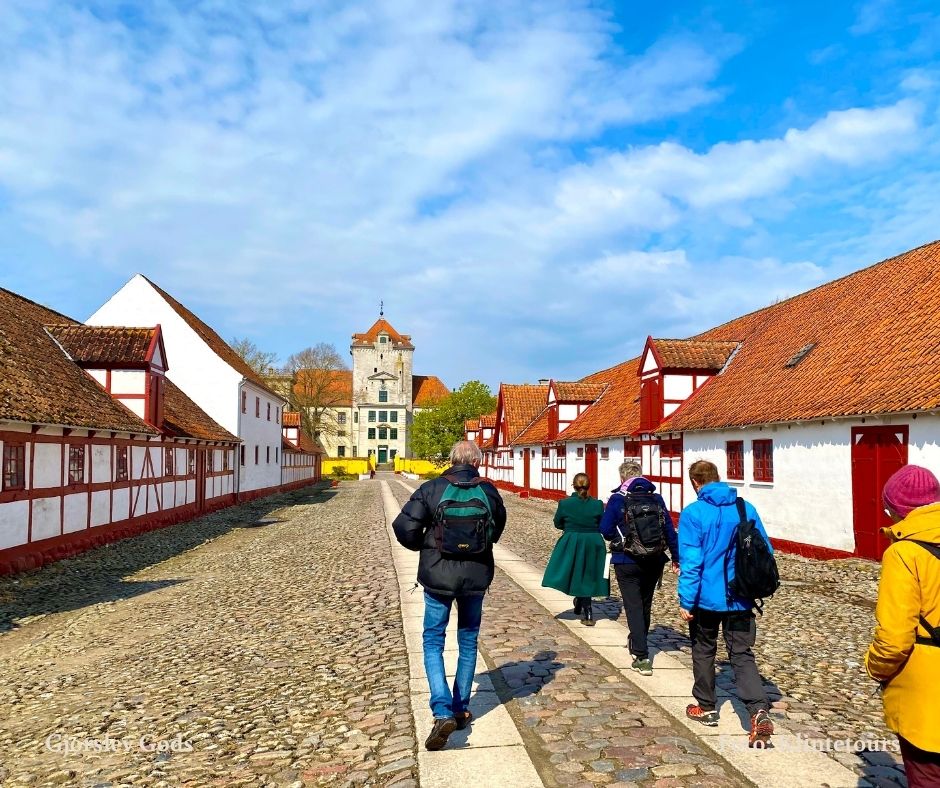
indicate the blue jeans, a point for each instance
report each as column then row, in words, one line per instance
column 444, row 701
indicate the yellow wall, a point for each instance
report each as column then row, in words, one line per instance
column 417, row 466
column 351, row 465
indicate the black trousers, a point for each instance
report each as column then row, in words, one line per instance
column 637, row 583
column 740, row 631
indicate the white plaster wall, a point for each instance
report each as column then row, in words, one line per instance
column 135, row 405
column 101, row 464
column 924, row 441
column 608, row 473
column 677, row 386
column 100, row 375
column 669, row 408
column 100, row 507
column 47, row 470
column 47, row 518
column 567, row 412
column 14, row 519
column 76, row 513
column 649, row 363
column 119, row 504
column 258, row 431
column 192, row 365
column 128, row 381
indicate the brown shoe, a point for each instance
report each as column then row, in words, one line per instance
column 440, row 732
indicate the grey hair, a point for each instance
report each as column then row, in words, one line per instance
column 629, row 469
column 465, row 453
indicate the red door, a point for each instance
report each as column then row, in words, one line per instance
column 526, row 461
column 200, row 480
column 877, row 452
column 590, row 466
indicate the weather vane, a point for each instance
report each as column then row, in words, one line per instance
column 381, row 308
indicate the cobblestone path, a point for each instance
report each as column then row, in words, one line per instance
column 581, row 723
column 810, row 644
column 275, row 653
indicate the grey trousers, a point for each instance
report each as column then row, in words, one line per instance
column 740, row 631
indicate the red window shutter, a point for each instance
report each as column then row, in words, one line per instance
column 735, row 454
column 763, row 460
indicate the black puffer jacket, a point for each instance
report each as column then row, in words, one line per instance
column 451, row 577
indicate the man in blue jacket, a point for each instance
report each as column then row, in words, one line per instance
column 706, row 528
column 637, row 577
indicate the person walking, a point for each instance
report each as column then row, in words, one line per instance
column 576, row 566
column 638, row 569
column 453, row 521
column 707, row 603
column 905, row 652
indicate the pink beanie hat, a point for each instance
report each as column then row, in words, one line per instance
column 910, row 487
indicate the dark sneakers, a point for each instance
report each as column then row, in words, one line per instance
column 762, row 728
column 463, row 720
column 695, row 712
column 441, row 730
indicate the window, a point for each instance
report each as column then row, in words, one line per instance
column 269, row 411
column 393, row 433
column 256, row 455
column 341, row 433
column 191, row 461
column 275, row 454
column 14, row 466
column 257, row 407
column 76, row 464
column 763, row 460
column 371, row 433
column 210, row 461
column 631, row 448
column 355, row 451
column 383, row 433
column 383, row 339
column 735, row 452
column 605, row 453
column 383, row 395
column 120, row 470
column 340, row 418
column 267, row 454
column 671, row 448
column 241, row 452
column 244, row 402
column 393, row 416
column 355, row 417
column 168, row 464
column 226, row 460
column 383, row 416
column 277, row 416
column 341, row 451
column 371, row 416
column 580, row 452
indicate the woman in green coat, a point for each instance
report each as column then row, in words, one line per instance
column 576, row 566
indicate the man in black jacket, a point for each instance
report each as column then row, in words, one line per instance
column 447, row 578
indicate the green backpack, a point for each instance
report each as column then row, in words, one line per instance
column 463, row 521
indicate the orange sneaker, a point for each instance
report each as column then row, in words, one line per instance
column 762, row 728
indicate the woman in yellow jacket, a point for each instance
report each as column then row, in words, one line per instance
column 904, row 656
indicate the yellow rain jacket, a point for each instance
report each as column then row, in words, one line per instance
column 909, row 589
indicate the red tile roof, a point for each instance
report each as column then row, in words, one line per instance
column 333, row 387
column 876, row 334
column 105, row 345
column 38, row 383
column 488, row 421
column 520, row 404
column 184, row 418
column 471, row 425
column 617, row 412
column 382, row 325
column 577, row 391
column 426, row 390
column 692, row 353
column 304, row 444
column 218, row 345
column 290, row 418
column 536, row 432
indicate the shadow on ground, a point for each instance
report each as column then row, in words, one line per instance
column 98, row 575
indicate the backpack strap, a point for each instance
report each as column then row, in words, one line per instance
column 934, row 639
column 742, row 520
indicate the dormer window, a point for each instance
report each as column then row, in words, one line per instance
column 383, row 339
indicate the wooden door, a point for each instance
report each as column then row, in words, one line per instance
column 877, row 452
column 383, row 455
column 590, row 466
column 200, row 480
column 526, row 469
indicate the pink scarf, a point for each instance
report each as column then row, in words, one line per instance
column 627, row 483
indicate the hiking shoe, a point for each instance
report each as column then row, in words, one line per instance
column 695, row 712
column 762, row 728
column 642, row 666
column 441, row 730
column 463, row 720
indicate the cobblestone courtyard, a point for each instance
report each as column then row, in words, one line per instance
column 274, row 655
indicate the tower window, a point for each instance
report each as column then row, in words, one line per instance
column 383, row 395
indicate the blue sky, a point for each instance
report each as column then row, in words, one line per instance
column 531, row 187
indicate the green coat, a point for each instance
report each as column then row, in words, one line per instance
column 576, row 566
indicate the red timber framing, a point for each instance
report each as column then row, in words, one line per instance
column 661, row 461
column 502, row 468
column 64, row 517
column 554, row 464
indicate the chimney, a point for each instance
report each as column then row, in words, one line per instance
column 543, row 381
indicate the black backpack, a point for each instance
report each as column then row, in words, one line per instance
column 642, row 533
column 755, row 571
column 463, row 521
column 934, row 639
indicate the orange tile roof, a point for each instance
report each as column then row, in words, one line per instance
column 471, row 424
column 218, row 345
column 693, row 353
column 304, row 444
column 38, row 383
column 426, row 390
column 536, row 432
column 876, row 335
column 577, row 391
column 184, row 418
column 336, row 387
column 372, row 335
column 105, row 345
column 488, row 421
column 617, row 411
column 520, row 405
column 290, row 418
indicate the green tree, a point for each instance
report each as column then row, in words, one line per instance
column 438, row 427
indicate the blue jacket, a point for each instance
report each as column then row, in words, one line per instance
column 613, row 516
column 706, row 528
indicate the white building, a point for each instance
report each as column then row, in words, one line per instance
column 216, row 378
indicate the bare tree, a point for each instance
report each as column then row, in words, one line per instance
column 259, row 360
column 320, row 384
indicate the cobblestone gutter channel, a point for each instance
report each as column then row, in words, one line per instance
column 811, row 640
column 275, row 653
column 581, row 723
